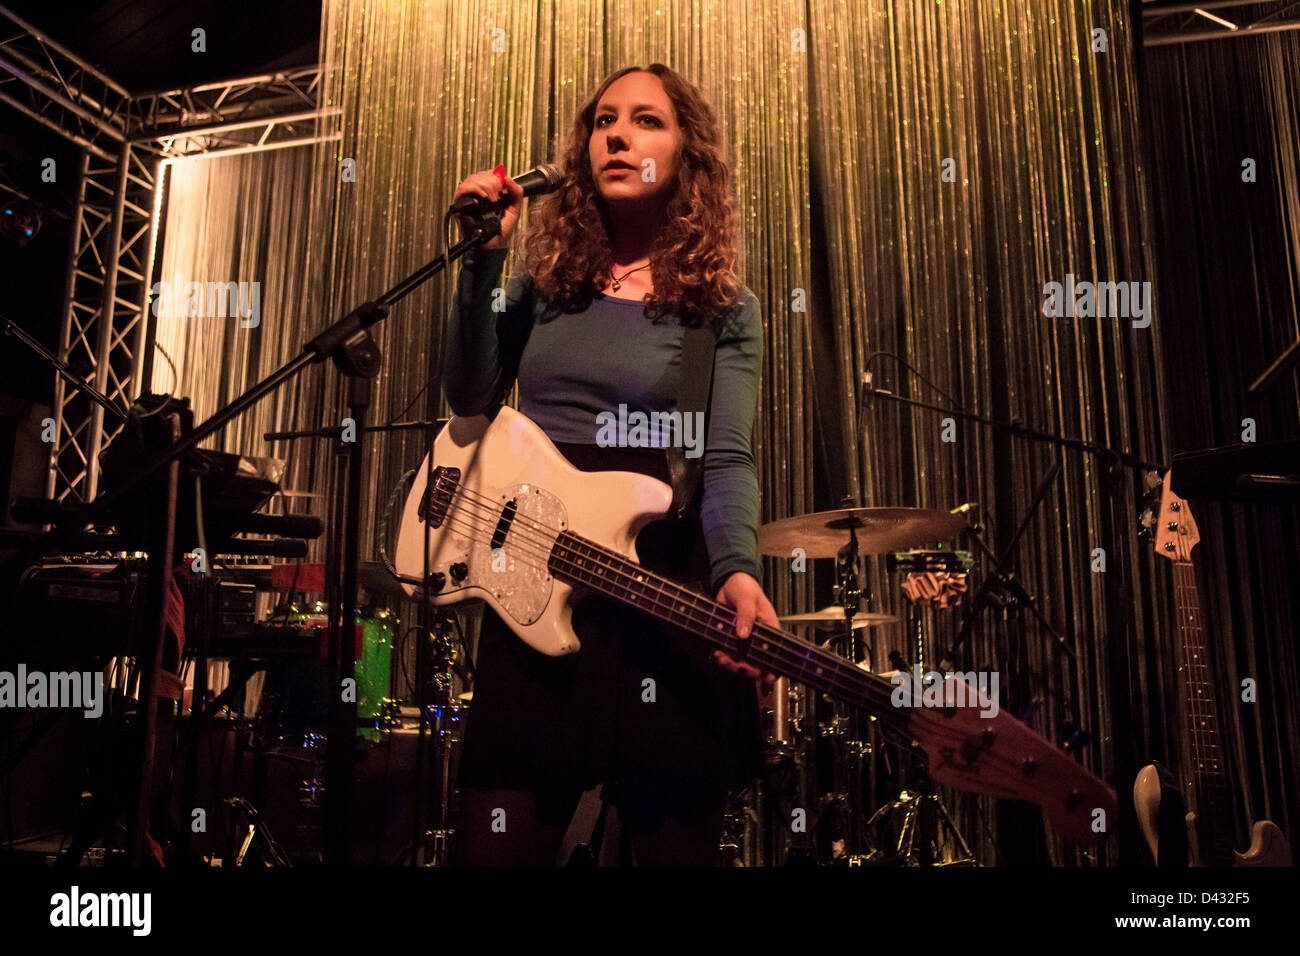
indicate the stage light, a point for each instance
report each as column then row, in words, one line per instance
column 20, row 220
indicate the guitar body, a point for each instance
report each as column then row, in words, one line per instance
column 1161, row 814
column 508, row 458
column 1268, row 847
column 1171, row 834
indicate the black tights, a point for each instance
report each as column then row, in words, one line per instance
column 529, row 830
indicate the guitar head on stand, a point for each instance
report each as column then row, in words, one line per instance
column 1208, row 839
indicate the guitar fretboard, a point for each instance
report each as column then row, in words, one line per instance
column 579, row 561
column 1209, row 779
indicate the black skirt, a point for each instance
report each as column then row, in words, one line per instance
column 640, row 708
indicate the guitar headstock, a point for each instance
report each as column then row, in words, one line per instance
column 1000, row 756
column 1170, row 522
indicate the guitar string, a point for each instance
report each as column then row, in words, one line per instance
column 807, row 657
column 811, row 659
column 1198, row 705
column 788, row 660
column 1213, row 785
column 620, row 565
column 1211, row 789
column 803, row 657
column 794, row 657
column 868, row 685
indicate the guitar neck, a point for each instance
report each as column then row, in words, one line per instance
column 579, row 561
column 992, row 754
column 1208, row 780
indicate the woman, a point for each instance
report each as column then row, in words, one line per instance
column 637, row 243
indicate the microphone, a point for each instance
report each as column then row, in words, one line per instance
column 540, row 179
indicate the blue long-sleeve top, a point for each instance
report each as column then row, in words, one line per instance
column 576, row 366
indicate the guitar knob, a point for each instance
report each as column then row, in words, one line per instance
column 437, row 581
column 459, row 571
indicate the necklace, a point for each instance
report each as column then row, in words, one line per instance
column 618, row 283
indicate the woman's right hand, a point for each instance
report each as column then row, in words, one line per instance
column 487, row 185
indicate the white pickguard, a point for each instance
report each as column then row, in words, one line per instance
column 503, row 458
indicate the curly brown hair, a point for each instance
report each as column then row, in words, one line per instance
column 693, row 260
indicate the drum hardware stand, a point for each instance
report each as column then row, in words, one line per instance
column 848, row 729
column 920, row 833
column 440, row 716
column 1002, row 587
column 443, row 718
column 256, row 828
column 758, row 817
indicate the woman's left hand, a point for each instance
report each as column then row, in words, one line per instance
column 745, row 595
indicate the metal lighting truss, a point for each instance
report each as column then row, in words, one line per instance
column 250, row 114
column 1165, row 22
column 127, row 142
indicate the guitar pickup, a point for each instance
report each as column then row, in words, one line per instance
column 503, row 525
column 437, row 496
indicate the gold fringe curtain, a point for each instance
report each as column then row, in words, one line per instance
column 1039, row 135
column 839, row 117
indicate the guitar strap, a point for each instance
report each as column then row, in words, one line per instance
column 694, row 390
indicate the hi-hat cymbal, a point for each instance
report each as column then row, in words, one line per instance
column 879, row 530
column 833, row 616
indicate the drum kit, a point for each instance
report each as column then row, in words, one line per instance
column 826, row 764
column 834, row 791
column 287, row 726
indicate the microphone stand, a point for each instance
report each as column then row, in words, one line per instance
column 1003, row 578
column 1104, row 452
column 1285, row 362
column 335, row 431
column 348, row 343
column 424, row 707
column 1018, row 596
column 96, row 396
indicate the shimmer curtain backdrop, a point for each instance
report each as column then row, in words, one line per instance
column 912, row 179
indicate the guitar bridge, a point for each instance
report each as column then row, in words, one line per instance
column 437, row 496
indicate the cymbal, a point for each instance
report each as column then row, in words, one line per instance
column 879, row 530
column 833, row 616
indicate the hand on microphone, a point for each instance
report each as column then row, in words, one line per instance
column 492, row 187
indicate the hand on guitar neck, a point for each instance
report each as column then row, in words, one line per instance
column 744, row 594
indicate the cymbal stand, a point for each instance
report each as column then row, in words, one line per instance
column 920, row 838
column 444, row 715
column 441, row 717
column 920, row 833
column 848, row 729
